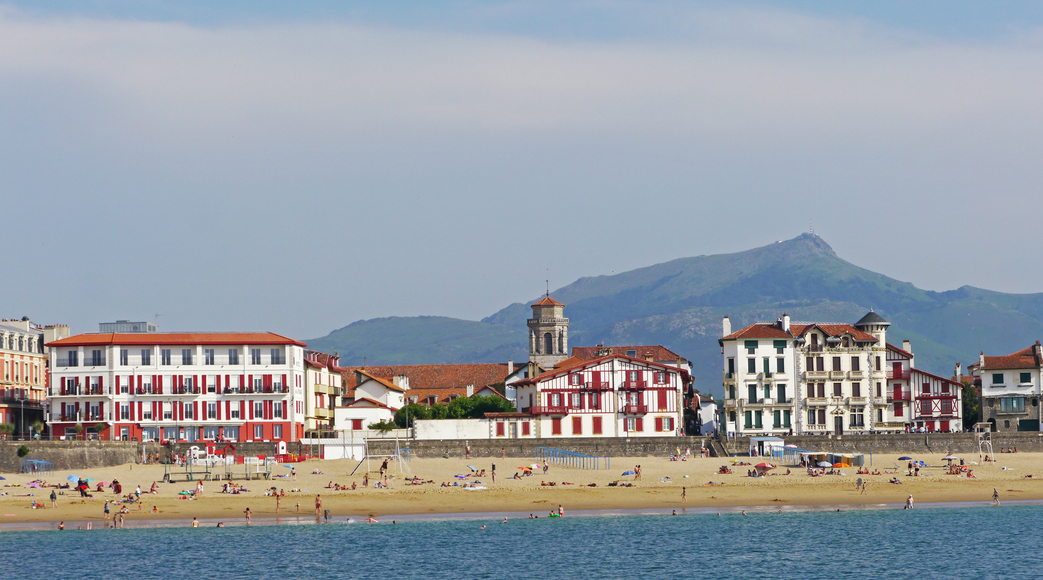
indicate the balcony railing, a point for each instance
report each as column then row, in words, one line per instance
column 598, row 386
column 816, row 348
column 66, row 362
column 898, row 375
column 634, row 385
column 27, row 403
column 255, row 390
column 635, row 408
column 549, row 410
column 894, row 396
column 82, row 392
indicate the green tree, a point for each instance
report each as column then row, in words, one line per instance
column 971, row 405
column 6, row 428
column 382, row 426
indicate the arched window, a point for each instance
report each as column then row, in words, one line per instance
column 548, row 343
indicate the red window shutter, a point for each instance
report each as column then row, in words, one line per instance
column 285, row 415
column 63, row 392
column 101, row 384
column 140, row 414
column 525, row 428
column 356, row 424
column 195, row 411
column 597, row 426
column 242, row 381
column 577, row 425
column 555, row 428
column 242, row 410
column 639, row 424
column 663, row 400
column 250, row 409
column 196, row 384
column 659, row 424
column 250, row 381
column 285, row 384
column 499, row 428
column 63, row 404
column 595, row 377
column 139, row 381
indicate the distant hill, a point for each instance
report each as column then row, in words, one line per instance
column 680, row 304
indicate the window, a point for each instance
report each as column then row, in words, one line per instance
column 277, row 431
column 731, row 367
column 767, row 367
column 879, row 415
column 786, row 419
column 821, row 416
column 234, row 412
column 811, row 416
column 124, row 412
column 278, row 410
column 752, row 395
column 809, row 363
column 837, row 389
column 1025, row 378
column 124, row 358
column 74, row 358
column 660, row 377
column 189, row 412
column 125, row 384
column 879, row 393
column 277, row 357
column 748, row 423
column 146, row 356
column 780, row 346
column 210, row 433
column 782, row 394
column 857, row 420
column 555, row 426
column 168, row 411
column 836, row 363
column 356, row 424
column 595, row 401
column 575, row 379
column 258, row 431
column 751, row 346
column 758, row 419
column 211, row 411
column 856, row 389
column 668, row 424
column 233, row 356
column 632, row 353
column 258, row 384
column 255, row 356
column 1012, row 404
column 211, row 383
column 777, row 422
column 165, row 357
column 208, row 356
column 577, row 401
column 997, row 378
column 780, row 365
column 856, row 364
column 277, row 384
column 751, row 366
column 96, row 359
column 632, row 424
column 188, row 382
column 596, row 430
column 186, row 356
column 898, row 410
column 258, row 410
column 820, row 364
column 555, row 400
column 231, row 434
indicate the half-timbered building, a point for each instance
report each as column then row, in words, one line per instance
column 916, row 399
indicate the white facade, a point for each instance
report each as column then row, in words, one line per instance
column 1011, row 389
column 178, row 386
column 614, row 396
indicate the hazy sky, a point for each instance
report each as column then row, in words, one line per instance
column 272, row 166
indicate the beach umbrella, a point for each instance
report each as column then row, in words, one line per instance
column 34, row 484
column 288, row 466
column 905, row 458
column 790, row 446
column 629, row 472
column 838, row 464
column 73, row 478
column 765, row 466
column 950, row 458
column 825, row 464
column 88, row 479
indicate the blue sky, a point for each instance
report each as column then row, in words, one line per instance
column 297, row 166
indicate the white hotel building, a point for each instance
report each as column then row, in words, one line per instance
column 246, row 386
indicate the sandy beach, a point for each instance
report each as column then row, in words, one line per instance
column 660, row 487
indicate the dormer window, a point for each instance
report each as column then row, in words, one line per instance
column 632, row 353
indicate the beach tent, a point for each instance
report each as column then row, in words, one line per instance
column 37, row 467
column 763, row 446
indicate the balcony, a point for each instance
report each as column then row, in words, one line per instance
column 855, row 375
column 856, row 400
column 26, row 403
column 728, row 376
column 837, row 375
column 816, row 374
column 898, row 375
column 148, row 391
column 94, row 362
column 184, row 391
column 83, row 392
column 599, row 386
column 66, row 362
column 635, row 408
column 634, row 385
column 730, row 404
column 896, row 396
column 255, row 390
column 549, row 410
column 815, row 348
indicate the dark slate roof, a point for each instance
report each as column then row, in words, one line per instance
column 871, row 318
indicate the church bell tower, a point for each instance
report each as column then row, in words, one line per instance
column 548, row 333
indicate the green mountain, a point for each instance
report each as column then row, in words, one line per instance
column 680, row 304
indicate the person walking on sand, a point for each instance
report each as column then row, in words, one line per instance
column 106, row 510
column 684, row 495
column 54, row 499
column 318, row 505
column 995, row 496
column 293, row 473
column 248, row 514
column 278, row 503
column 865, row 482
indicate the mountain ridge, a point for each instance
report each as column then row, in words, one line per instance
column 680, row 304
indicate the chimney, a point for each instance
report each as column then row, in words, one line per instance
column 401, row 381
column 907, row 346
column 649, row 357
column 510, row 367
column 470, row 390
column 726, row 325
column 959, row 373
column 785, row 322
column 981, row 361
column 1039, row 353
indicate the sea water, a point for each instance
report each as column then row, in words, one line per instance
column 937, row 542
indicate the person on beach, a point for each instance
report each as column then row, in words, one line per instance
column 278, row 503
column 293, row 473
column 195, row 523
column 544, row 467
column 318, row 504
column 467, row 450
column 61, row 525
column 561, row 511
column 248, row 514
column 106, row 510
column 995, row 496
column 54, row 499
column 909, row 503
column 684, row 495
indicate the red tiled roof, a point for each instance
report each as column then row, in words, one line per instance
column 1023, row 359
column 145, row 338
column 759, row 330
column 372, row 402
column 441, row 381
column 594, row 362
column 320, row 360
column 386, row 382
column 932, row 375
column 571, row 361
column 833, row 330
column 659, row 352
column 547, row 301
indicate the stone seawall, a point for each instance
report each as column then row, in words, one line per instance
column 66, row 455
column 903, row 443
